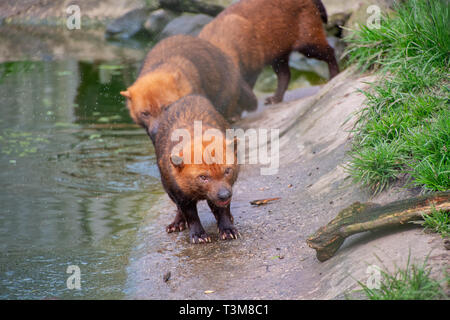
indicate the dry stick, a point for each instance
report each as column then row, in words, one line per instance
column 369, row 216
column 263, row 201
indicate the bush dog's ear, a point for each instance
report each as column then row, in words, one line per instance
column 126, row 94
column 177, row 161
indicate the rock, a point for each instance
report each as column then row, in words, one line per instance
column 353, row 10
column 53, row 12
column 23, row 42
column 361, row 15
column 187, row 23
column 338, row 45
column 157, row 20
column 447, row 244
column 348, row 6
column 128, row 25
column 212, row 8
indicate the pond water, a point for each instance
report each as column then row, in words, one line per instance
column 77, row 177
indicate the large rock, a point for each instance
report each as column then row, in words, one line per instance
column 271, row 258
column 349, row 6
column 37, row 43
column 194, row 6
column 351, row 13
column 360, row 16
column 157, row 20
column 53, row 12
column 187, row 23
column 128, row 25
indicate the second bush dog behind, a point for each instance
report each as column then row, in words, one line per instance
column 255, row 33
column 183, row 65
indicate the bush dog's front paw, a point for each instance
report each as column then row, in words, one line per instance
column 272, row 100
column 228, row 233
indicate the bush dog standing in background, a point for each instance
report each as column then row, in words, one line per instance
column 255, row 33
column 183, row 65
column 185, row 182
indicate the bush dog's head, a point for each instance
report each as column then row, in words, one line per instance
column 211, row 178
column 151, row 93
column 202, row 158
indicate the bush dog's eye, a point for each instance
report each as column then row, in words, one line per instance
column 203, row 177
column 228, row 170
column 145, row 114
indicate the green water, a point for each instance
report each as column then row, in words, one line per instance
column 76, row 178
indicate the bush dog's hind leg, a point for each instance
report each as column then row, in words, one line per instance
column 196, row 232
column 224, row 221
column 312, row 42
column 178, row 224
column 281, row 68
column 247, row 99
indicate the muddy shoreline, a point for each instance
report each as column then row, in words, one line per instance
column 272, row 260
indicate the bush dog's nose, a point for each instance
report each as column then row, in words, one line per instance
column 224, row 194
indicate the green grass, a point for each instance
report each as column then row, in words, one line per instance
column 405, row 125
column 438, row 221
column 411, row 283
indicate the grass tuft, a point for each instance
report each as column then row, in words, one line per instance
column 438, row 221
column 412, row 283
column 405, row 125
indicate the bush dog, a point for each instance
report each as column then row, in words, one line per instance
column 255, row 33
column 188, row 181
column 183, row 65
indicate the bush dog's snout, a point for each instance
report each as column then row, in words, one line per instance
column 224, row 194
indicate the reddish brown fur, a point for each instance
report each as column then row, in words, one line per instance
column 255, row 33
column 183, row 65
column 184, row 182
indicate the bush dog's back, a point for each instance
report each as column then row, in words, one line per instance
column 255, row 33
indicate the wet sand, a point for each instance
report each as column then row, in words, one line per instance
column 272, row 260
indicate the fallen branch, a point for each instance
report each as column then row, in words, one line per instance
column 360, row 217
column 263, row 201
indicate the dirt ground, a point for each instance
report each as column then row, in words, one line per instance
column 272, row 260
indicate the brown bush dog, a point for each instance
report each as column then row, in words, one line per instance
column 185, row 182
column 183, row 65
column 255, row 33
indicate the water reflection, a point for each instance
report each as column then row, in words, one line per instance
column 76, row 177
